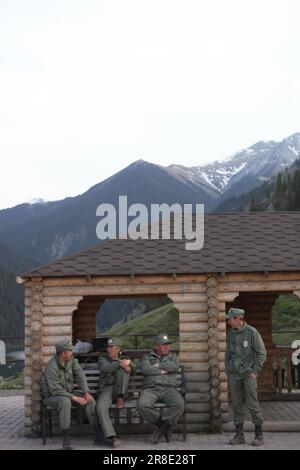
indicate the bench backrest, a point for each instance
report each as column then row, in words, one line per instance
column 91, row 371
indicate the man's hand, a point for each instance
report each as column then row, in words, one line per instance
column 253, row 375
column 88, row 397
column 164, row 371
column 124, row 363
column 81, row 401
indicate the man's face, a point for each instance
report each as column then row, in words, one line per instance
column 235, row 322
column 162, row 349
column 113, row 351
column 66, row 356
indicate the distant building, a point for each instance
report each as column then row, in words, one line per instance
column 2, row 352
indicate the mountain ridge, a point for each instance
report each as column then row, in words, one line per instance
column 45, row 231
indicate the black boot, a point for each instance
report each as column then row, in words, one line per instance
column 156, row 436
column 258, row 438
column 168, row 434
column 239, row 437
column 66, row 440
column 166, row 430
column 100, row 439
column 161, row 428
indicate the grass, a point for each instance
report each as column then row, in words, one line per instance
column 286, row 318
column 15, row 382
column 161, row 320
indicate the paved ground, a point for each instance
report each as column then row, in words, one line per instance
column 11, row 435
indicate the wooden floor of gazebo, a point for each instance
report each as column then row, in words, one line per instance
column 278, row 415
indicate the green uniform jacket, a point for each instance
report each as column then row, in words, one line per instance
column 245, row 351
column 108, row 368
column 152, row 364
column 60, row 378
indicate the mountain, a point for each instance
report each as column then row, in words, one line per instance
column 243, row 170
column 11, row 294
column 38, row 232
column 160, row 320
column 47, row 231
column 281, row 192
column 120, row 311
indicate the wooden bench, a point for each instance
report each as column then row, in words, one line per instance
column 128, row 415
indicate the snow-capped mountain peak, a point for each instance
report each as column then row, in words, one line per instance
column 37, row 200
column 254, row 164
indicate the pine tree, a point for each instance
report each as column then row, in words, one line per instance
column 296, row 188
column 252, row 203
column 278, row 190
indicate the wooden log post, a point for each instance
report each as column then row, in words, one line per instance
column 192, row 308
column 222, row 299
column 33, row 376
column 28, row 360
column 213, row 353
column 47, row 320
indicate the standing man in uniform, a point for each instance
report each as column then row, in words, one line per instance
column 160, row 367
column 244, row 359
column 114, row 374
column 61, row 374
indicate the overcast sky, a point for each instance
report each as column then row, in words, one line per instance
column 88, row 87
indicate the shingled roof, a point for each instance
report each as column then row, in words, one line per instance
column 238, row 242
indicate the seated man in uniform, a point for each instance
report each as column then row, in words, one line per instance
column 62, row 372
column 114, row 376
column 160, row 367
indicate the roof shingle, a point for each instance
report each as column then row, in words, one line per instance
column 240, row 242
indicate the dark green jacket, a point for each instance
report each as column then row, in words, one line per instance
column 108, row 368
column 152, row 374
column 245, row 351
column 60, row 378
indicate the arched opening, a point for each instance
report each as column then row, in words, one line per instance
column 259, row 307
column 137, row 319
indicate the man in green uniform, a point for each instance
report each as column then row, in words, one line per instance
column 61, row 374
column 114, row 373
column 160, row 367
column 244, row 359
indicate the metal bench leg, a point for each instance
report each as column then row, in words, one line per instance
column 50, row 423
column 184, row 427
column 44, row 424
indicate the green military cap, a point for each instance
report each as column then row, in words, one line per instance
column 63, row 345
column 114, row 342
column 235, row 312
column 162, row 339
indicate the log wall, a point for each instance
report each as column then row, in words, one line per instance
column 84, row 318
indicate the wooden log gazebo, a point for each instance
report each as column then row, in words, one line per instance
column 248, row 259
